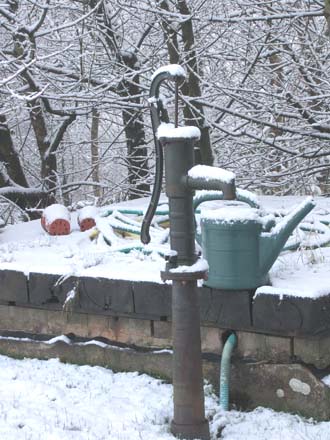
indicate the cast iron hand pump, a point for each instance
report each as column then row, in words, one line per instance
column 158, row 115
column 189, row 414
column 183, row 267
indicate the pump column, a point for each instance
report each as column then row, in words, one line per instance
column 189, row 413
column 179, row 158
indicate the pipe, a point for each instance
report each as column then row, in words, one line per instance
column 225, row 371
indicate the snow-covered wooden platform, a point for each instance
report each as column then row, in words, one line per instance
column 39, row 270
column 27, row 248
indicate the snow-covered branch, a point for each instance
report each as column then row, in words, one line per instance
column 245, row 17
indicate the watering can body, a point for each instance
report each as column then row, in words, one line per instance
column 232, row 252
column 239, row 252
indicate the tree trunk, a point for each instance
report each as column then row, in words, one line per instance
column 9, row 156
column 327, row 15
column 194, row 116
column 48, row 160
column 137, row 154
column 191, row 87
column 13, row 183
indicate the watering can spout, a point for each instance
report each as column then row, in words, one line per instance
column 271, row 243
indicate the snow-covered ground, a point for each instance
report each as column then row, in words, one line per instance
column 49, row 400
column 27, row 247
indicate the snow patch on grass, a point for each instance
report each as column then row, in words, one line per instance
column 50, row 400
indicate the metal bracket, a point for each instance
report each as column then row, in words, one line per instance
column 183, row 276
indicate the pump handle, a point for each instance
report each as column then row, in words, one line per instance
column 158, row 115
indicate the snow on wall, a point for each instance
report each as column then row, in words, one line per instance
column 298, row 293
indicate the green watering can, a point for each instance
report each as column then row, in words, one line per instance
column 241, row 245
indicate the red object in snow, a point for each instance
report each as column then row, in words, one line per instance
column 86, row 218
column 87, row 223
column 56, row 220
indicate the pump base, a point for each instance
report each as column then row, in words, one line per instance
column 194, row 431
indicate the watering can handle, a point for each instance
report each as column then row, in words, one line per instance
column 158, row 114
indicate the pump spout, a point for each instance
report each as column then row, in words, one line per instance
column 211, row 178
column 272, row 243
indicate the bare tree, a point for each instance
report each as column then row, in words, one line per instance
column 123, row 56
column 19, row 56
column 257, row 87
column 271, row 93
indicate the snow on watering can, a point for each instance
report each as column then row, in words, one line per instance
column 241, row 245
